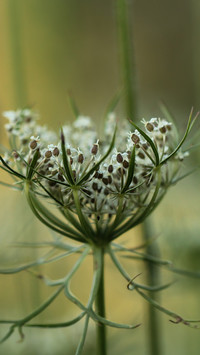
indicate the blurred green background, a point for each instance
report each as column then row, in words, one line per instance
column 51, row 47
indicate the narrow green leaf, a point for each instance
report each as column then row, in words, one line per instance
column 11, row 170
column 188, row 129
column 82, row 218
column 130, row 171
column 44, row 221
column 10, row 185
column 113, row 103
column 174, row 181
column 65, row 161
column 49, row 193
column 149, row 140
column 170, row 118
column 70, row 217
column 43, row 176
column 52, row 217
column 73, row 106
column 50, row 179
column 133, row 221
column 30, row 171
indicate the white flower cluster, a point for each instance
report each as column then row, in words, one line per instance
column 100, row 193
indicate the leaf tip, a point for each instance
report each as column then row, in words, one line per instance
column 62, row 137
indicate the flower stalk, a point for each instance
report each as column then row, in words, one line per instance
column 100, row 307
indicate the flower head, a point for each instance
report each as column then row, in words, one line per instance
column 102, row 185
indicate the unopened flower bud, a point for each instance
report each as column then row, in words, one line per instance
column 110, row 168
column 15, row 154
column 109, row 179
column 56, row 152
column 33, row 144
column 60, row 177
column 125, row 164
column 96, row 175
column 149, row 127
column 95, row 186
column 135, row 138
column 80, row 158
column 105, row 180
column 141, row 155
column 119, row 158
column 94, row 149
column 135, row 180
column 48, row 154
column 163, row 129
column 106, row 192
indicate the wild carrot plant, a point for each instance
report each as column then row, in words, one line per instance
column 101, row 187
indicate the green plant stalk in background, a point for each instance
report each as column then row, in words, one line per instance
column 128, row 71
column 20, row 91
column 18, row 69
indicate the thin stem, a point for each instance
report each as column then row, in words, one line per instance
column 100, row 309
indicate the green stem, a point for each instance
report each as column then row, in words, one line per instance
column 127, row 58
column 19, row 84
column 100, row 309
column 153, row 279
column 129, row 75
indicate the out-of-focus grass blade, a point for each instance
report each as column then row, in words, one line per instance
column 73, row 105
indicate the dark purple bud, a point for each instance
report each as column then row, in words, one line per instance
column 119, row 158
column 56, row 152
column 94, row 149
column 110, row 169
column 125, row 164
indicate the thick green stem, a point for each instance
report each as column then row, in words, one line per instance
column 18, row 72
column 128, row 70
column 100, row 309
column 154, row 331
column 127, row 57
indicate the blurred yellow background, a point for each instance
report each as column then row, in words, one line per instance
column 51, row 47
